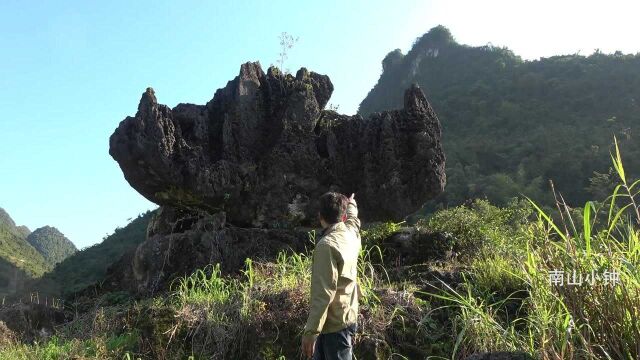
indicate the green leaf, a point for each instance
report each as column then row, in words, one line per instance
column 547, row 219
column 587, row 227
column 617, row 162
column 613, row 223
column 613, row 202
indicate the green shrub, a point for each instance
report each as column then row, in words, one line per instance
column 374, row 234
column 481, row 228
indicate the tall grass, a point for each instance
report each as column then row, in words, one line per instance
column 224, row 315
column 599, row 319
column 595, row 318
column 204, row 286
column 371, row 275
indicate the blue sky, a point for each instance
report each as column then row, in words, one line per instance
column 70, row 71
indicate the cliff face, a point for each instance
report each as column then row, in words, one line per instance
column 253, row 161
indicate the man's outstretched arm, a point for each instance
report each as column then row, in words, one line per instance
column 352, row 221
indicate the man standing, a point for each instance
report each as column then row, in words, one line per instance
column 334, row 297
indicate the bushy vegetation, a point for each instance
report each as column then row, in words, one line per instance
column 510, row 125
column 481, row 230
column 99, row 347
column 590, row 311
column 52, row 244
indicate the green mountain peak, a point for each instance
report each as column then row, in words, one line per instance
column 52, row 244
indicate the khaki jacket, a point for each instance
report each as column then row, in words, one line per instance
column 334, row 295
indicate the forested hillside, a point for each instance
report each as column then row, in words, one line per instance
column 19, row 261
column 45, row 261
column 510, row 126
column 52, row 244
column 89, row 265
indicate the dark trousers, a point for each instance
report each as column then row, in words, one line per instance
column 335, row 346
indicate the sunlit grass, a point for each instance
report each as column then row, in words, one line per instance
column 594, row 319
column 114, row 347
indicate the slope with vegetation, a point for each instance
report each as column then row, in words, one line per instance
column 51, row 243
column 511, row 125
column 19, row 261
column 89, row 265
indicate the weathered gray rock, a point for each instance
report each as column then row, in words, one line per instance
column 29, row 322
column 180, row 241
column 237, row 177
column 263, row 150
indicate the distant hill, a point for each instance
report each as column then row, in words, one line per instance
column 19, row 261
column 89, row 265
column 23, row 231
column 52, row 244
column 6, row 220
column 510, row 125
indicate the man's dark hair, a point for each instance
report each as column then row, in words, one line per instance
column 333, row 206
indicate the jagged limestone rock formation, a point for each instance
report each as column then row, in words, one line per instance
column 263, row 151
column 179, row 241
column 232, row 174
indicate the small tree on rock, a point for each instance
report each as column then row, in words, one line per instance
column 286, row 43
